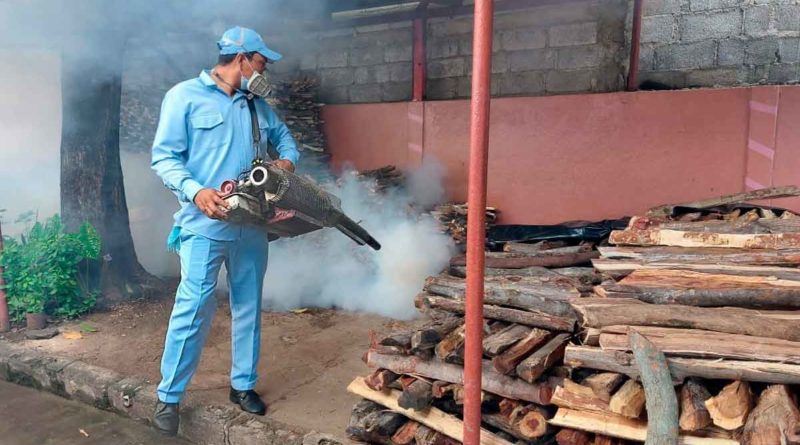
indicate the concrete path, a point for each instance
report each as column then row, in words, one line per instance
column 31, row 417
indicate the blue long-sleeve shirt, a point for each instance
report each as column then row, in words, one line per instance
column 204, row 137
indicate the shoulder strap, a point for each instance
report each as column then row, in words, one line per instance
column 251, row 105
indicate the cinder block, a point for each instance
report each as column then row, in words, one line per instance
column 445, row 88
column 499, row 63
column 544, row 16
column 369, row 55
column 787, row 17
column 789, row 50
column 464, row 88
column 336, row 77
column 335, row 95
column 705, row 5
column 731, row 52
column 401, row 72
column 569, row 81
column 647, row 58
column 692, row 55
column 371, row 74
column 401, row 52
column 784, row 73
column 465, row 45
column 521, row 39
column 449, row 26
column 670, row 79
column 441, row 48
column 366, row 93
column 530, row 82
column 578, row 57
column 710, row 26
column 756, row 20
column 713, row 78
column 537, row 59
column 761, row 52
column 658, row 29
column 453, row 67
column 397, row 91
column 656, row 7
column 570, row 35
column 309, row 61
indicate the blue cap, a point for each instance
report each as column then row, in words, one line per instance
column 244, row 40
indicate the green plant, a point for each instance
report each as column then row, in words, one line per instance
column 41, row 270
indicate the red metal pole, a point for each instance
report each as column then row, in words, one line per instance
column 636, row 34
column 476, row 216
column 5, row 326
column 419, row 60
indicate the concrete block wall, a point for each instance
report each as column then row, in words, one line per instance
column 690, row 43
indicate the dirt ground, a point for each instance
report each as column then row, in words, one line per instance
column 306, row 363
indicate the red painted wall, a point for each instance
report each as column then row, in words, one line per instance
column 560, row 158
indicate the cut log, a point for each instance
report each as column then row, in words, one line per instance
column 526, row 423
column 601, row 312
column 710, row 255
column 680, row 368
column 433, row 418
column 380, row 379
column 574, row 396
column 451, row 342
column 624, row 267
column 755, row 298
column 774, row 420
column 707, row 344
column 405, row 435
column 621, row 427
column 533, row 248
column 491, row 380
column 513, row 261
column 604, row 384
column 537, row 363
column 500, row 341
column 729, row 408
column 590, row 337
column 691, row 279
column 428, row 436
column 400, row 339
column 736, row 198
column 528, row 318
column 680, row 238
column 694, row 415
column 749, row 224
column 533, row 271
column 629, row 400
column 607, row 440
column 425, row 339
column 417, row 396
column 662, row 404
column 507, row 362
column 370, row 422
column 573, row 437
column 440, row 388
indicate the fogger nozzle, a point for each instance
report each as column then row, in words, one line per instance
column 259, row 176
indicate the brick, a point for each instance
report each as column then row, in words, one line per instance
column 789, row 50
column 441, row 88
column 693, row 55
column 647, row 58
column 668, row 79
column 577, row 34
column 756, row 20
column 397, row 91
column 787, row 17
column 569, row 81
column 371, row 74
column 442, row 48
column 366, row 93
column 731, row 52
column 761, row 52
column 401, row 72
column 578, row 57
column 335, row 95
column 658, row 28
column 537, row 59
column 531, row 82
column 523, row 39
column 705, row 5
column 713, row 78
column 332, row 59
column 710, row 26
column 336, row 77
column 784, row 73
column 656, row 7
column 446, row 68
column 401, row 52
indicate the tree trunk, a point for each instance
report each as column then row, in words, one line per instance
column 92, row 189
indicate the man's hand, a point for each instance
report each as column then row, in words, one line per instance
column 284, row 164
column 210, row 202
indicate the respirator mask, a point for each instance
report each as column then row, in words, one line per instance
column 258, row 83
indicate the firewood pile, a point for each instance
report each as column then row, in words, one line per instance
column 453, row 219
column 383, row 179
column 296, row 103
column 686, row 327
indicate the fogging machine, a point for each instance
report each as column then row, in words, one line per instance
column 288, row 205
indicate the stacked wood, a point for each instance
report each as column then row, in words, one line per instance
column 384, row 178
column 296, row 103
column 452, row 218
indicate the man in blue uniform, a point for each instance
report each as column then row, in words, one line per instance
column 206, row 135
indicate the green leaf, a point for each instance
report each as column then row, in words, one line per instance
column 86, row 327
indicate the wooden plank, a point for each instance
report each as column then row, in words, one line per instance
column 433, row 418
column 679, row 238
column 704, row 344
column 736, row 198
column 662, row 404
column 621, row 427
column 681, row 368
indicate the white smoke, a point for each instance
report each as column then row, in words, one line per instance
column 327, row 269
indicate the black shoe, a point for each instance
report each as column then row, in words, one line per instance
column 166, row 418
column 248, row 401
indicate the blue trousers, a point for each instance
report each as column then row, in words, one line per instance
column 245, row 260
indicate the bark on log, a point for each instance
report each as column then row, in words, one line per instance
column 705, row 344
column 380, row 379
column 774, row 420
column 629, row 400
column 708, row 255
column 729, row 408
column 500, row 341
column 533, row 271
column 662, row 404
column 428, row 436
column 599, row 312
column 528, row 318
column 736, row 198
column 405, row 434
column 624, row 267
column 432, row 417
column 423, row 341
column 541, row 247
column 526, row 423
column 604, row 384
column 537, row 363
column 573, row 437
column 451, row 343
column 754, row 298
column 491, row 380
column 506, row 363
column 694, row 415
column 370, row 422
column 679, row 238
column 622, row 427
column 418, row 396
column 397, row 340
column 517, row 262
column 681, row 368
column 607, row 440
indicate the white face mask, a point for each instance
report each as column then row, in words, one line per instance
column 257, row 84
